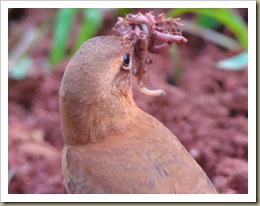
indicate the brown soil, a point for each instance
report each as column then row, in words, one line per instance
column 205, row 107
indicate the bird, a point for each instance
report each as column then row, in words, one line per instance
column 111, row 146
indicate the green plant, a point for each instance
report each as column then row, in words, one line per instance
column 204, row 25
column 92, row 20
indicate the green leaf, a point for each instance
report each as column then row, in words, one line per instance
column 207, row 21
column 64, row 21
column 234, row 63
column 90, row 27
column 226, row 16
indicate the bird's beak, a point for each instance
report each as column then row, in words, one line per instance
column 133, row 65
column 134, row 70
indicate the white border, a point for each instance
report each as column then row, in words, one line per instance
column 251, row 197
column 128, row 4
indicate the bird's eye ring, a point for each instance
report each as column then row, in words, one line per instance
column 126, row 61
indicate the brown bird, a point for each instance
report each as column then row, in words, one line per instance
column 110, row 145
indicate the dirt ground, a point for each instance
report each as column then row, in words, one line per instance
column 205, row 107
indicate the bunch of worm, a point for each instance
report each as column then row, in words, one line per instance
column 148, row 34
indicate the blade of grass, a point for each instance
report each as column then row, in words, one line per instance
column 90, row 27
column 234, row 63
column 21, row 68
column 19, row 54
column 212, row 36
column 64, row 20
column 177, row 61
column 226, row 16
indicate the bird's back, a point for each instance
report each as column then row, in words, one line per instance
column 145, row 158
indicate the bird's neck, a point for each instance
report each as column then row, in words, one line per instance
column 108, row 119
column 107, row 116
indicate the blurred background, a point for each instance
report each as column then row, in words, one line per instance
column 206, row 82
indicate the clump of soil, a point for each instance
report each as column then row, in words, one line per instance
column 206, row 109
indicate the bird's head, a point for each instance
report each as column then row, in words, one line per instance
column 99, row 69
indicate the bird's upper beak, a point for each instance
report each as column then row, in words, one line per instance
column 133, row 66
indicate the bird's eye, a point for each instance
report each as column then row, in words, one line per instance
column 126, row 61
